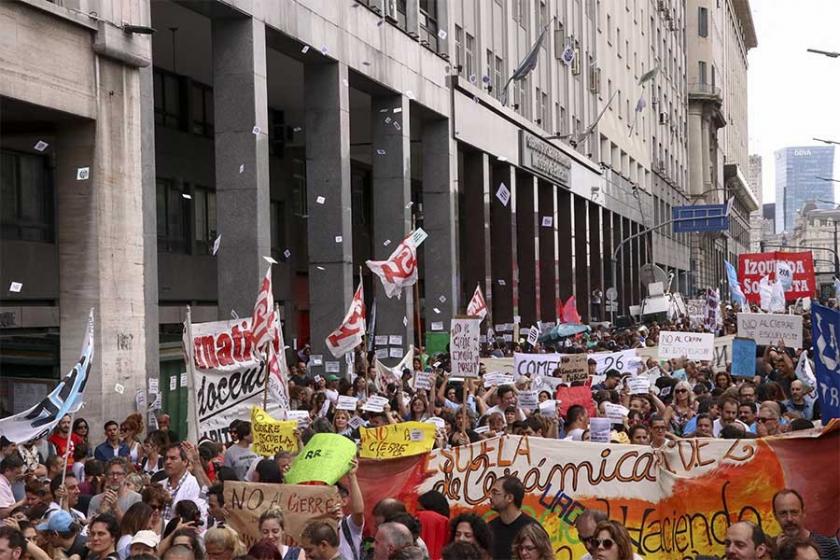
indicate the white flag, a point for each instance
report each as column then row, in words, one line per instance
column 386, row 376
column 765, row 293
column 777, row 297
column 533, row 335
column 477, row 307
column 400, row 270
column 278, row 369
column 784, row 275
column 351, row 331
column 804, row 372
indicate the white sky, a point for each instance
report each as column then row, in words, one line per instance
column 794, row 95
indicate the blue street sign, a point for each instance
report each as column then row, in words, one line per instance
column 701, row 218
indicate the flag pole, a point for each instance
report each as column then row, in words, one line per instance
column 364, row 332
column 191, row 369
column 418, row 322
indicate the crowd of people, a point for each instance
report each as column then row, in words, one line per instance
column 147, row 494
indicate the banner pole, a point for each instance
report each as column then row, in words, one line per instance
column 364, row 332
column 188, row 349
column 418, row 322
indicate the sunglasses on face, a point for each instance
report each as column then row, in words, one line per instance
column 681, row 391
column 763, row 420
column 605, row 543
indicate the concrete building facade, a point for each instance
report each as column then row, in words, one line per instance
column 818, row 228
column 803, row 174
column 756, row 218
column 320, row 133
column 719, row 34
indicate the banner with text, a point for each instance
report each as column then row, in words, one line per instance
column 752, row 267
column 770, row 328
column 694, row 346
column 676, row 502
column 572, row 366
column 270, row 435
column 397, row 440
column 463, row 346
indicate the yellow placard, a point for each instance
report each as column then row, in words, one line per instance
column 397, row 440
column 270, row 435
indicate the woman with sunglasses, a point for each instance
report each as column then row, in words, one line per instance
column 82, row 431
column 682, row 409
column 611, row 542
column 130, row 429
column 532, row 543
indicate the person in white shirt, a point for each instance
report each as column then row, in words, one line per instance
column 180, row 484
column 728, row 415
column 351, row 526
column 11, row 469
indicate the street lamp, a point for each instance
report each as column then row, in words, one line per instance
column 830, row 54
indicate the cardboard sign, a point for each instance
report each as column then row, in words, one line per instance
column 743, row 357
column 569, row 396
column 464, row 346
column 626, row 361
column 270, row 435
column 572, row 366
column 397, row 440
column 326, row 458
column 694, row 346
column 769, row 328
column 752, row 267
column 246, row 501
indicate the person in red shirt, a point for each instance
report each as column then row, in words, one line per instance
column 60, row 437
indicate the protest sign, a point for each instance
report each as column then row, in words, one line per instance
column 694, row 346
column 572, row 366
column 423, row 380
column 393, row 441
column 439, row 422
column 549, row 408
column 569, row 396
column 375, row 403
column 770, row 328
column 676, row 501
column 639, row 385
column 722, row 351
column 346, row 403
column 228, row 378
column 615, row 412
column 270, row 435
column 626, row 361
column 743, row 357
column 494, row 378
column 599, row 430
column 504, row 365
column 752, row 267
column 300, row 504
column 325, row 458
column 463, row 346
column 527, row 400
column 805, row 373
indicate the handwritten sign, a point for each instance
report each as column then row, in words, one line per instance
column 495, row 378
column 639, row 385
column 346, row 403
column 270, row 435
column 626, row 361
column 694, row 346
column 397, row 440
column 326, row 458
column 528, row 400
column 615, row 412
column 246, row 501
column 375, row 403
column 769, row 328
column 464, row 346
column 743, row 357
column 572, row 366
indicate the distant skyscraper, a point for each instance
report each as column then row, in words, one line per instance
column 797, row 182
column 755, row 178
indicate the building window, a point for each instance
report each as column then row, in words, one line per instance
column 703, row 22
column 429, row 23
column 498, row 77
column 201, row 109
column 173, row 217
column 521, row 13
column 459, row 47
column 544, row 116
column 169, row 99
column 544, row 18
column 701, row 72
column 26, row 195
column 468, row 55
column 713, row 76
column 204, row 216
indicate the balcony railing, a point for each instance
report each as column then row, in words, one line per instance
column 700, row 90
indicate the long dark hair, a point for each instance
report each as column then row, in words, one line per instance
column 479, row 528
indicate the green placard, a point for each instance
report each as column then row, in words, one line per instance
column 436, row 343
column 326, row 458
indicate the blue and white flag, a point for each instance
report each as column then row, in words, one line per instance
column 66, row 398
column 735, row 292
column 825, row 326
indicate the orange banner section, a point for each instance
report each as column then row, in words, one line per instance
column 675, row 502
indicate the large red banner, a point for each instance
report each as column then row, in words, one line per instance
column 752, row 267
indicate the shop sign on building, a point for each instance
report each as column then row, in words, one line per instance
column 543, row 158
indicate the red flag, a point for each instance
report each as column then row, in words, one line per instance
column 350, row 332
column 263, row 322
column 569, row 313
column 477, row 306
column 400, row 270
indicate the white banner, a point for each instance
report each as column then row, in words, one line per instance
column 463, row 346
column 572, row 366
column 228, row 380
column 627, row 361
column 768, row 329
column 694, row 346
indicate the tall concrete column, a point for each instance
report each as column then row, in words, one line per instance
column 391, row 156
column 440, row 220
column 627, row 266
column 502, row 244
column 607, row 237
column 329, row 228
column 240, row 101
column 596, row 280
column 581, row 257
column 473, row 174
column 547, row 195
column 634, row 264
column 565, row 273
column 101, row 242
column 526, row 250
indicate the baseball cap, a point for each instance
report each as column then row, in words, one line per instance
column 149, row 538
column 59, row 522
column 332, row 377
